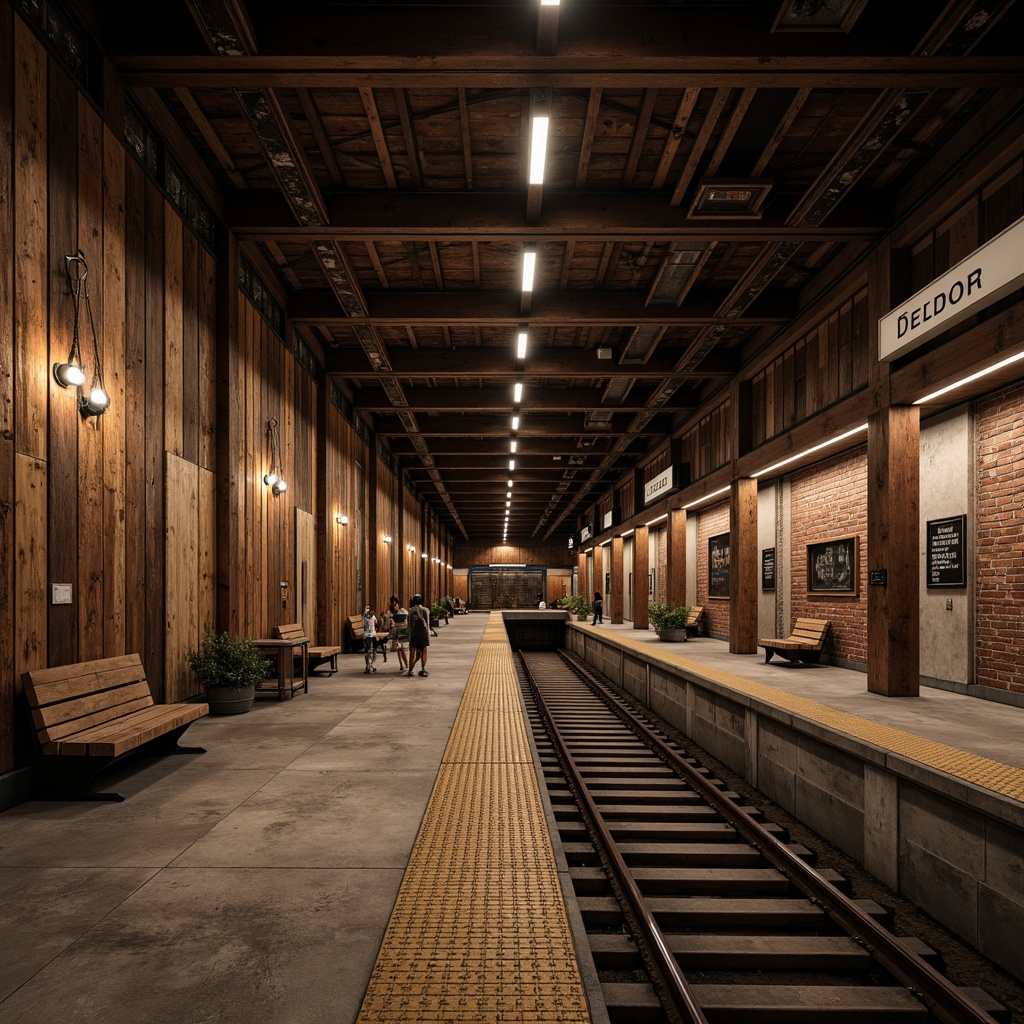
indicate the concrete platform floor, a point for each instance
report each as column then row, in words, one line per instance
column 252, row 883
column 970, row 723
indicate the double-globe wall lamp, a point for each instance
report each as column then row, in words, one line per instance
column 274, row 479
column 72, row 373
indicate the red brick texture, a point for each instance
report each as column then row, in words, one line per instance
column 829, row 500
column 713, row 521
column 999, row 581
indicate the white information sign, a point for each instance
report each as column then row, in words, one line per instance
column 662, row 484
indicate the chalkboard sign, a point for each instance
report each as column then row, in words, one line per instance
column 947, row 546
column 768, row 568
column 718, row 566
column 832, row 567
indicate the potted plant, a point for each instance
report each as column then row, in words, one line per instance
column 669, row 623
column 230, row 668
column 438, row 611
column 578, row 605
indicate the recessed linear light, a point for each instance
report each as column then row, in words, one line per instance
column 510, row 483
column 549, row 3
column 517, row 392
column 529, row 266
column 973, row 377
column 515, row 422
column 810, row 451
column 511, row 464
column 521, row 345
column 508, row 504
column 657, row 519
column 538, row 148
column 512, row 447
column 707, row 497
column 508, row 494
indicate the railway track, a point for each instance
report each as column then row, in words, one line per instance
column 695, row 908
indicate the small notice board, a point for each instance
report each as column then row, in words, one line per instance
column 947, row 552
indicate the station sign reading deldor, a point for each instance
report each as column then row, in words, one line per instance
column 990, row 272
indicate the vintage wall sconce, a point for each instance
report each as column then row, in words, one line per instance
column 341, row 520
column 72, row 373
column 275, row 478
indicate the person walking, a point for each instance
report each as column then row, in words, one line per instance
column 419, row 634
column 369, row 638
column 598, row 608
column 399, row 632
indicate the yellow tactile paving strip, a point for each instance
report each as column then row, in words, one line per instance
column 1004, row 779
column 479, row 931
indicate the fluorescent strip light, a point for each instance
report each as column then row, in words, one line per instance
column 708, row 497
column 628, row 532
column 972, row 377
column 549, row 3
column 508, row 494
column 512, row 447
column 508, row 504
column 517, row 393
column 515, row 422
column 810, row 451
column 521, row 347
column 510, row 483
column 511, row 464
column 538, row 147
column 658, row 519
column 529, row 265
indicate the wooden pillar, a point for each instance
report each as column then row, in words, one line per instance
column 675, row 539
column 618, row 583
column 581, row 572
column 894, row 452
column 743, row 566
column 641, row 569
column 598, row 581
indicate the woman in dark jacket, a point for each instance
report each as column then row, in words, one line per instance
column 598, row 608
column 419, row 634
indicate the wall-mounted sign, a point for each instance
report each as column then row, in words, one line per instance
column 672, row 479
column 586, row 533
column 768, row 568
column 990, row 272
column 947, row 550
column 878, row 577
column 833, row 567
column 718, row 566
column 611, row 518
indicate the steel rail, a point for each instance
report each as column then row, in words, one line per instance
column 938, row 993
column 680, row 1002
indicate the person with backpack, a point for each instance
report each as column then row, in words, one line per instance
column 419, row 634
column 598, row 608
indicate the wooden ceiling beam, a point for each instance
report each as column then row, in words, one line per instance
column 545, row 425
column 499, row 400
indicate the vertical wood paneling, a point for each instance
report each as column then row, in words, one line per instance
column 286, row 534
column 305, row 572
column 190, row 347
column 207, row 551
column 8, row 683
column 153, row 659
column 114, row 378
column 135, row 493
column 30, row 268
column 173, row 391
column 182, row 560
column 64, row 420
column 91, row 431
column 207, row 361
column 30, row 563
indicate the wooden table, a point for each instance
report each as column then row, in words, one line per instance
column 287, row 679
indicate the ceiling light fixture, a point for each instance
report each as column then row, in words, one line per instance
column 515, row 422
column 510, row 483
column 707, row 497
column 809, row 451
column 512, row 447
column 538, row 149
column 521, row 346
column 511, row 464
column 529, row 266
column 517, row 393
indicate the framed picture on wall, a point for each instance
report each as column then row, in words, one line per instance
column 650, row 583
column 718, row 566
column 832, row 567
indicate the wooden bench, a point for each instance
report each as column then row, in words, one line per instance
column 317, row 654
column 380, row 643
column 693, row 620
column 90, row 714
column 805, row 643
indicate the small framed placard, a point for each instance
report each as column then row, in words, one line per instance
column 947, row 550
column 832, row 567
column 768, row 568
column 718, row 566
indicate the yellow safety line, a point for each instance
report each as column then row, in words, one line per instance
column 479, row 932
column 1004, row 779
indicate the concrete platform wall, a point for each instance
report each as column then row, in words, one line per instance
column 955, row 849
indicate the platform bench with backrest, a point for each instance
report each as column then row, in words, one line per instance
column 692, row 626
column 380, row 644
column 317, row 653
column 90, row 714
column 805, row 643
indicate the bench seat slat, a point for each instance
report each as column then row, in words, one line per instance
column 129, row 732
column 131, row 697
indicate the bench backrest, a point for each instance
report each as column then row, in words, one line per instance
column 696, row 611
column 811, row 631
column 67, row 699
column 290, row 631
column 355, row 623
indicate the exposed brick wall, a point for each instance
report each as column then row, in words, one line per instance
column 661, row 576
column 830, row 500
column 713, row 521
column 999, row 586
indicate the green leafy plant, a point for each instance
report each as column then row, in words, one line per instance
column 226, row 661
column 577, row 604
column 664, row 617
column 438, row 611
